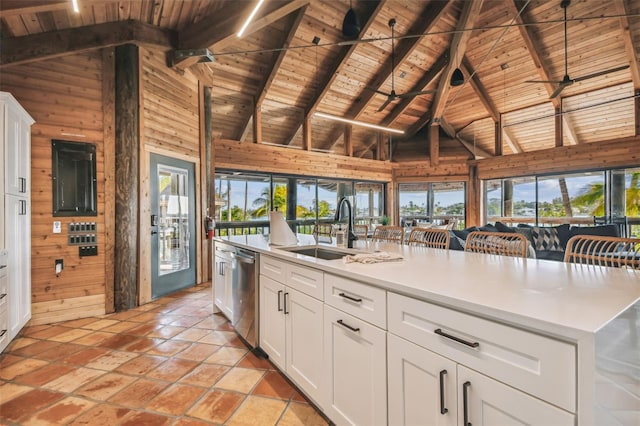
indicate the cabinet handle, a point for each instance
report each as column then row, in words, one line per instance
column 2, row 332
column 23, row 207
column 279, row 307
column 23, row 185
column 348, row 326
column 221, row 268
column 457, row 339
column 285, row 303
column 443, row 409
column 346, row 296
column 465, row 402
column 3, row 295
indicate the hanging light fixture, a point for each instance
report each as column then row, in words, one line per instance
column 350, row 24
column 74, row 4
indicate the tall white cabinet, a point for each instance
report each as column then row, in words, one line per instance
column 15, row 219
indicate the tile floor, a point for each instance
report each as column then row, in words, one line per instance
column 170, row 362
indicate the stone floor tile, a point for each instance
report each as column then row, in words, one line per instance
column 166, row 332
column 21, row 367
column 104, row 387
column 60, row 413
column 47, row 332
column 45, row 374
column 274, row 385
column 192, row 334
column 216, row 406
column 301, row 414
column 176, row 400
column 80, row 323
column 186, row 421
column 227, row 356
column 20, row 342
column 101, row 415
column 240, row 379
column 86, row 356
column 111, row 360
column 61, row 352
column 143, row 344
column 144, row 317
column 205, row 375
column 120, row 326
column 140, row 418
column 141, row 330
column 186, row 321
column 94, row 338
column 70, row 335
column 26, row 404
column 100, row 324
column 117, row 341
column 250, row 360
column 34, row 349
column 198, row 352
column 73, row 380
column 256, row 410
column 8, row 391
column 217, row 337
column 139, row 393
column 169, row 348
column 172, row 370
column 141, row 365
column 7, row 359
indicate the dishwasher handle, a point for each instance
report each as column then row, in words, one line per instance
column 243, row 258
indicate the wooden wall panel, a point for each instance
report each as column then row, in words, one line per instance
column 64, row 96
column 598, row 155
column 274, row 159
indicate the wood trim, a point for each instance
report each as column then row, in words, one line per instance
column 205, row 169
column 598, row 155
column 109, row 153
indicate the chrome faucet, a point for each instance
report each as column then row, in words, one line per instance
column 351, row 237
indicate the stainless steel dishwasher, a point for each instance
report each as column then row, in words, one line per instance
column 244, row 295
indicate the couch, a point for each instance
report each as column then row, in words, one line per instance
column 548, row 242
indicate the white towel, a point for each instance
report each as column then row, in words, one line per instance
column 379, row 256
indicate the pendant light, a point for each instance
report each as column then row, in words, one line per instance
column 350, row 24
column 457, row 79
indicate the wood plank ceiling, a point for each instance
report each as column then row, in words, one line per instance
column 277, row 73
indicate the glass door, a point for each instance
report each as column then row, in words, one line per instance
column 173, row 232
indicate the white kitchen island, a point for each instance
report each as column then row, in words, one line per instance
column 448, row 337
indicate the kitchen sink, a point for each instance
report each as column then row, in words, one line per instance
column 326, row 253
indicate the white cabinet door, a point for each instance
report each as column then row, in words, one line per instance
column 17, row 155
column 18, row 237
column 422, row 385
column 304, row 342
column 272, row 320
column 356, row 368
column 484, row 401
column 219, row 288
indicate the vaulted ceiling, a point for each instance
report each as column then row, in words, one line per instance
column 278, row 73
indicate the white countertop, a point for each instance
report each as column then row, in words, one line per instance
column 566, row 300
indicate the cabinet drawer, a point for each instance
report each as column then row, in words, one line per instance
column 538, row 365
column 358, row 299
column 4, row 328
column 273, row 268
column 307, row 280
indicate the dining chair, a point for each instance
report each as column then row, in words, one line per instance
column 603, row 251
column 361, row 231
column 501, row 243
column 429, row 237
column 388, row 233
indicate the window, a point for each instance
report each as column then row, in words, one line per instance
column 435, row 202
column 369, row 203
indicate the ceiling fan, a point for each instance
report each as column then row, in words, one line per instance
column 392, row 96
column 566, row 80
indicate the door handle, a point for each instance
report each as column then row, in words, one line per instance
column 465, row 402
column 443, row 409
column 154, row 232
column 285, row 303
column 279, row 307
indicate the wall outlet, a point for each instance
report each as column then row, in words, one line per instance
column 57, row 227
column 59, row 266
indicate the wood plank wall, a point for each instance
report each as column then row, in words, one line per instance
column 170, row 127
column 65, row 97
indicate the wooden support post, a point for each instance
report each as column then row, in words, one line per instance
column 498, row 132
column 558, row 126
column 380, row 146
column 348, row 144
column 637, row 111
column 205, row 176
column 109, row 123
column 257, row 123
column 127, row 172
column 434, row 144
column 306, row 133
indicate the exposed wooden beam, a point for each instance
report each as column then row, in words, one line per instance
column 218, row 31
column 20, row 50
column 261, row 92
column 469, row 14
column 498, row 137
column 24, row 7
column 348, row 140
column 434, row 145
column 405, row 47
column 622, row 7
column 476, row 151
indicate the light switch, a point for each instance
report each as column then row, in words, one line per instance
column 57, row 227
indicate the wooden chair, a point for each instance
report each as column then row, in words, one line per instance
column 323, row 231
column 501, row 243
column 388, row 233
column 603, row 251
column 361, row 231
column 429, row 237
